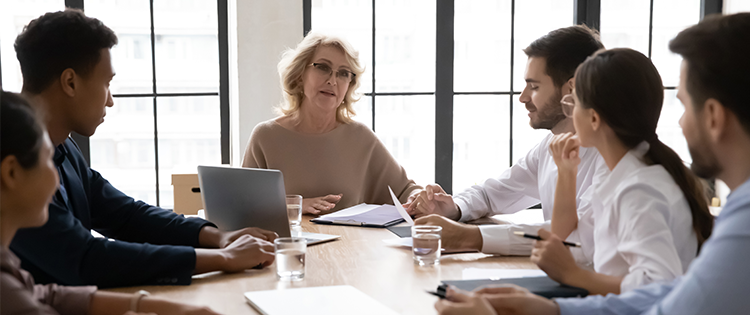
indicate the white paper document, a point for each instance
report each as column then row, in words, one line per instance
column 363, row 215
column 400, row 208
column 333, row 300
column 496, row 274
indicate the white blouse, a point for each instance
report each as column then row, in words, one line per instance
column 642, row 223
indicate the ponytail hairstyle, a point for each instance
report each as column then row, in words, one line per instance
column 625, row 89
column 21, row 132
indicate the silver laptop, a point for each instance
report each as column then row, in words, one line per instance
column 236, row 198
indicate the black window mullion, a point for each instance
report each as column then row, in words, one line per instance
column 153, row 88
column 444, row 94
column 650, row 27
column 587, row 12
column 512, row 56
column 223, row 33
column 711, row 7
column 372, row 99
column 306, row 16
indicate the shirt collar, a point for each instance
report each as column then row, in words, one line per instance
column 737, row 199
column 60, row 153
column 630, row 162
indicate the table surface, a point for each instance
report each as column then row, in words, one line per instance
column 359, row 258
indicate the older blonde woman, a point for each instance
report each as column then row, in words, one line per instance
column 329, row 159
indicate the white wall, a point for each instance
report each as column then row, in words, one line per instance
column 259, row 32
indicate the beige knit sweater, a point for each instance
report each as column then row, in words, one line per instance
column 348, row 160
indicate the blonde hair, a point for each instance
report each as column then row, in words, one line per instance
column 294, row 62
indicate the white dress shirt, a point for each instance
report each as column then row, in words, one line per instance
column 531, row 180
column 717, row 281
column 642, row 223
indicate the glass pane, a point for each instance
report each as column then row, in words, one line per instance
column 534, row 19
column 187, row 46
column 524, row 137
column 189, row 135
column 351, row 20
column 364, row 111
column 405, row 46
column 122, row 149
column 671, row 17
column 624, row 23
column 481, row 138
column 406, row 126
column 14, row 15
column 736, row 6
column 131, row 57
column 482, row 40
column 668, row 129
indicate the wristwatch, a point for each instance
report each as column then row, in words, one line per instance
column 136, row 299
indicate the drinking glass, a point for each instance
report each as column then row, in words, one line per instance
column 294, row 210
column 290, row 258
column 426, row 244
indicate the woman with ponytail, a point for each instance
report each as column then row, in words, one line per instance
column 650, row 213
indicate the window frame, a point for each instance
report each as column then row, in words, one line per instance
column 584, row 12
column 223, row 93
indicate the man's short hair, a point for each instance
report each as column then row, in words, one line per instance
column 717, row 52
column 57, row 41
column 565, row 49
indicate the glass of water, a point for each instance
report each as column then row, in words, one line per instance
column 294, row 209
column 290, row 258
column 426, row 244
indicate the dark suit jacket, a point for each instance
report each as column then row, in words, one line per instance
column 152, row 245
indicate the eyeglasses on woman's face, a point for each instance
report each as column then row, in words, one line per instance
column 568, row 104
column 343, row 76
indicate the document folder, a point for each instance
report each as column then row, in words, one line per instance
column 543, row 286
column 363, row 215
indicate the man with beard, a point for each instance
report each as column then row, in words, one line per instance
column 552, row 61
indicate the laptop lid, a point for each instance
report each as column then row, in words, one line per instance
column 236, row 198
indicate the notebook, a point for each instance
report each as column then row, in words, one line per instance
column 332, row 300
column 543, row 286
column 367, row 215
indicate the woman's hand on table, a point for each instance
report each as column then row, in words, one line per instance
column 320, row 204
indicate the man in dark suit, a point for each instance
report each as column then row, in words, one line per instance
column 67, row 67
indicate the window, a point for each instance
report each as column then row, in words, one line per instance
column 490, row 126
column 648, row 26
column 166, row 118
column 736, row 6
column 168, row 111
column 399, row 79
column 14, row 15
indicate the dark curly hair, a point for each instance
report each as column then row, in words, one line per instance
column 57, row 41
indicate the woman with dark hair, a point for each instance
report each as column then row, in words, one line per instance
column 28, row 181
column 650, row 213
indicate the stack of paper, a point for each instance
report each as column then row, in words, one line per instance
column 333, row 300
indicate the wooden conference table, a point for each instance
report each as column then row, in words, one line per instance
column 359, row 258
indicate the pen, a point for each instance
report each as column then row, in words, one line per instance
column 536, row 237
column 442, row 296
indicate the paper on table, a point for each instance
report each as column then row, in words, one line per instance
column 400, row 208
column 495, row 274
column 342, row 299
column 351, row 211
column 399, row 242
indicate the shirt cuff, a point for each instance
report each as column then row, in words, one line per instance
column 464, row 209
column 574, row 306
column 498, row 239
column 71, row 300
